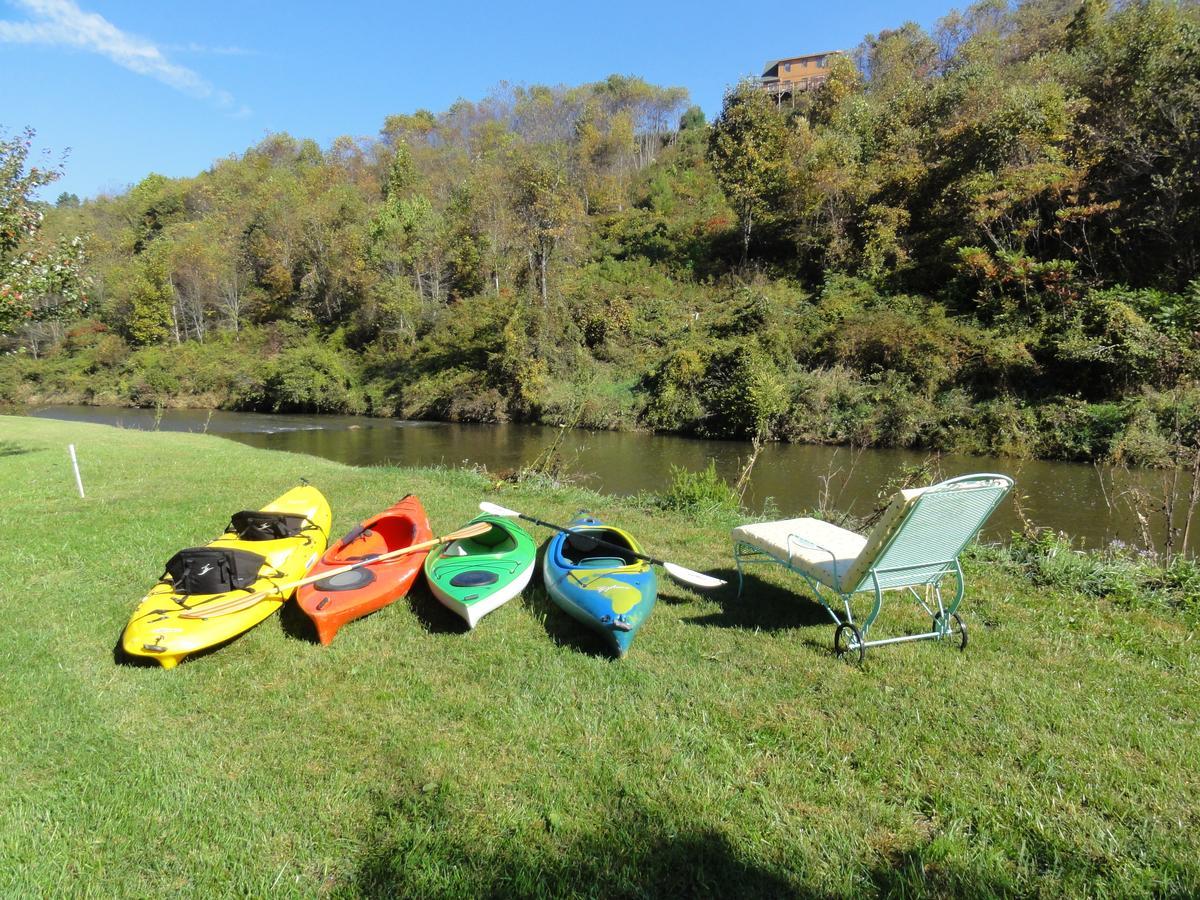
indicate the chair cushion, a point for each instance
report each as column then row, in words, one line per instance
column 828, row 568
column 887, row 526
column 850, row 555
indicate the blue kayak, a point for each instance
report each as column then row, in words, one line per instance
column 604, row 588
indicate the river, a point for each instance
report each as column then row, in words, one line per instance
column 1064, row 496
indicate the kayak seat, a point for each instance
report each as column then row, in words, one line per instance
column 264, row 525
column 578, row 549
column 494, row 538
column 366, row 543
column 396, row 530
column 601, row 562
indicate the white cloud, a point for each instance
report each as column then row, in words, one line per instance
column 209, row 49
column 62, row 23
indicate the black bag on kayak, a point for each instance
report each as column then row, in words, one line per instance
column 256, row 525
column 213, row 570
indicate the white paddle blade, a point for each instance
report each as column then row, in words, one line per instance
column 493, row 509
column 694, row 579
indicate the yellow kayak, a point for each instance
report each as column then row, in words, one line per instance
column 260, row 549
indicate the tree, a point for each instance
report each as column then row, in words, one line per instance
column 151, row 299
column 605, row 152
column 897, row 59
column 485, row 209
column 545, row 206
column 1140, row 75
column 39, row 281
column 844, row 81
column 408, row 235
column 748, row 149
column 157, row 201
column 402, row 173
column 1085, row 25
column 692, row 119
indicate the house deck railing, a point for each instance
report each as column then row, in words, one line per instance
column 780, row 86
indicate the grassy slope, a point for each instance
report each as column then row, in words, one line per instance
column 729, row 752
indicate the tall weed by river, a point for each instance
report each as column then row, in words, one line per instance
column 1119, row 573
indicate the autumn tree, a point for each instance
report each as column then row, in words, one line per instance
column 39, row 281
column 151, row 315
column 545, row 207
column 748, row 150
column 1139, row 80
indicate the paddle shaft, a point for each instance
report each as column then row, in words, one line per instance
column 236, row 604
column 599, row 541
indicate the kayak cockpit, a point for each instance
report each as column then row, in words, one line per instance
column 581, row 550
column 494, row 541
column 382, row 535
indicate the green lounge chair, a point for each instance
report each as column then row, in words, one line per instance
column 915, row 545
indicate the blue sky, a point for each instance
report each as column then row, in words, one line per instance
column 134, row 87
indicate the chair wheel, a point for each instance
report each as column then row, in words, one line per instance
column 848, row 640
column 957, row 627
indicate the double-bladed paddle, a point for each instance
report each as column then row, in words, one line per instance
column 237, row 604
column 587, row 541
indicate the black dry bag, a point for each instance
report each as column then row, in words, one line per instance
column 256, row 525
column 213, row 570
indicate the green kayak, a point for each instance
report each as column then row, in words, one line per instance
column 476, row 575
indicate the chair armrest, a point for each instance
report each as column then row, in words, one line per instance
column 804, row 542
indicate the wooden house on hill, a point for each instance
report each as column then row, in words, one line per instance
column 784, row 78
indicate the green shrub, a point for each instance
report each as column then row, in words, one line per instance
column 844, row 295
column 1072, row 429
column 1143, row 441
column 925, row 349
column 458, row 395
column 902, row 418
column 1107, row 349
column 312, row 378
column 829, row 406
column 151, row 377
column 1178, row 313
column 1006, row 427
column 704, row 492
column 108, row 352
column 743, row 393
column 13, row 387
column 953, row 427
column 673, row 390
column 597, row 399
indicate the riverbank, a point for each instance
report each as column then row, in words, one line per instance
column 730, row 753
column 823, row 402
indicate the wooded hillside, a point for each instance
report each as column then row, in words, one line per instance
column 985, row 237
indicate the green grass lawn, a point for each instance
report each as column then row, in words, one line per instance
column 730, row 752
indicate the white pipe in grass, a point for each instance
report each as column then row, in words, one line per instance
column 75, row 466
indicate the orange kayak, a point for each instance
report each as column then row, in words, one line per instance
column 334, row 601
